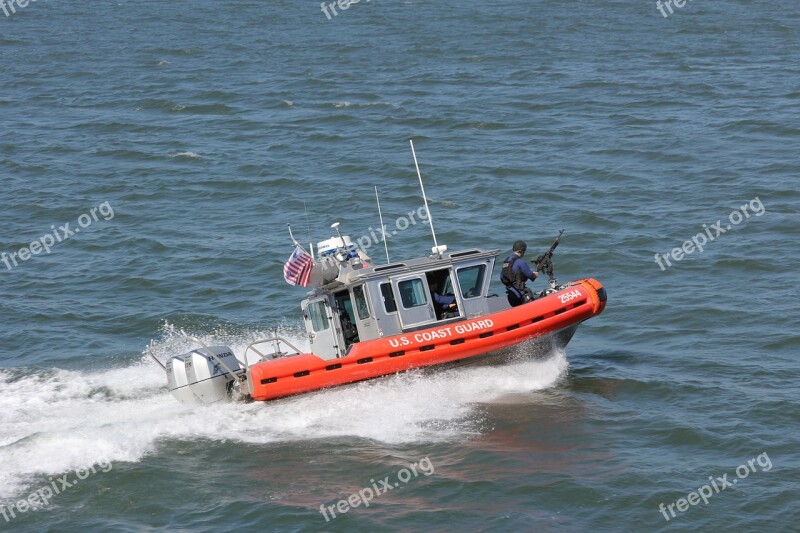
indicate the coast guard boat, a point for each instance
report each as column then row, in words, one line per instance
column 365, row 320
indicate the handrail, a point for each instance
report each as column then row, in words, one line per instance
column 276, row 339
column 185, row 336
column 151, row 354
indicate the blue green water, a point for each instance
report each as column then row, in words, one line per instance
column 206, row 127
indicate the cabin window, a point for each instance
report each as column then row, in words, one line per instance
column 361, row 302
column 471, row 280
column 412, row 293
column 388, row 298
column 319, row 316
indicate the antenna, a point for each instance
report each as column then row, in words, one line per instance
column 383, row 229
column 308, row 224
column 335, row 226
column 308, row 228
column 436, row 248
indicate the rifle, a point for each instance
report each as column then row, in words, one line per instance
column 544, row 263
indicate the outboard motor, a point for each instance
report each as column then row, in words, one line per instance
column 203, row 375
column 176, row 379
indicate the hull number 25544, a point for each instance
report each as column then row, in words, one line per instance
column 568, row 297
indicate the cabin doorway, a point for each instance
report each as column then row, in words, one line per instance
column 346, row 317
column 443, row 293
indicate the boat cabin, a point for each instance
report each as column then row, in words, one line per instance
column 365, row 302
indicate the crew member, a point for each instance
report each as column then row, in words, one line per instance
column 515, row 274
column 349, row 330
column 445, row 302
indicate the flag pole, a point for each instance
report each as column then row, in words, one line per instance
column 294, row 241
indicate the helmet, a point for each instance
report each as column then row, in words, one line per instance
column 520, row 246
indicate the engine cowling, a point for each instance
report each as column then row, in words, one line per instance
column 202, row 377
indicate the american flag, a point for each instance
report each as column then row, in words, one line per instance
column 297, row 269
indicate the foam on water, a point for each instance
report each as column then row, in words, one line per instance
column 57, row 420
column 188, row 154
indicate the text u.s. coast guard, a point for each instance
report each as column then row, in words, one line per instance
column 441, row 333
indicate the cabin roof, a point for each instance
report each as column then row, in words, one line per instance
column 349, row 277
column 420, row 264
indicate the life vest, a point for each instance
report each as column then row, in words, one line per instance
column 510, row 277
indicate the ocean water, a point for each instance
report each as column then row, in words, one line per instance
column 177, row 139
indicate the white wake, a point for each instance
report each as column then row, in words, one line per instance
column 55, row 420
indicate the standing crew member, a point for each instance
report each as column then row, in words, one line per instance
column 514, row 275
